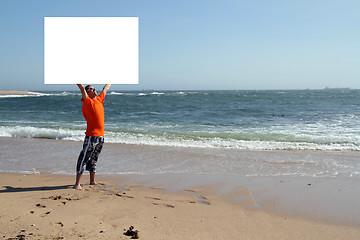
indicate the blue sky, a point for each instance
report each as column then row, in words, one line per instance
column 202, row 45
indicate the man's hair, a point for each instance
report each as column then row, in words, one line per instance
column 86, row 88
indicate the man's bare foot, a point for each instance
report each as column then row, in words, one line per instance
column 78, row 187
column 93, row 183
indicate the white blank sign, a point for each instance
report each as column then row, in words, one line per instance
column 91, row 50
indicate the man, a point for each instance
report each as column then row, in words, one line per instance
column 93, row 111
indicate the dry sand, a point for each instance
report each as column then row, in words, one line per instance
column 46, row 207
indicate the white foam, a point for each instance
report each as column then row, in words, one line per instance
column 119, row 93
column 39, row 94
column 157, row 93
column 169, row 139
column 144, row 139
column 34, row 132
column 18, row 96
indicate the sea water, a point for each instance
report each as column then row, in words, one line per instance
column 240, row 130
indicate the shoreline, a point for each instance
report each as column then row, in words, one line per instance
column 15, row 93
column 46, row 207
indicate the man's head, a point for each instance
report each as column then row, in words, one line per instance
column 91, row 91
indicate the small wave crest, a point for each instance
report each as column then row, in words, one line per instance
column 28, row 94
column 119, row 93
column 60, row 94
column 151, row 94
column 166, row 93
column 39, row 94
column 35, row 132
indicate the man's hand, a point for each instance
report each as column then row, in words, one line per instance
column 106, row 88
column 83, row 91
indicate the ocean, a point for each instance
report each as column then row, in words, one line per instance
column 318, row 121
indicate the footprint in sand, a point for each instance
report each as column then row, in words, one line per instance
column 63, row 199
column 203, row 200
column 185, row 201
column 153, row 198
column 200, row 199
column 45, row 214
column 122, row 195
column 40, row 205
column 58, row 224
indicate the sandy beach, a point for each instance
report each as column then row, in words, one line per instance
column 46, row 207
column 38, row 205
column 15, row 93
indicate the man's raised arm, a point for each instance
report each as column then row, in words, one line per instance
column 106, row 88
column 83, row 91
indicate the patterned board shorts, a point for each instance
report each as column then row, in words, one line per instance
column 89, row 154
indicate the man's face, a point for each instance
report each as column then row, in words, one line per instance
column 91, row 91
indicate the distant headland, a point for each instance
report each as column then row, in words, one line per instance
column 16, row 93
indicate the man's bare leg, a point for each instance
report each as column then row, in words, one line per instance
column 77, row 182
column 92, row 178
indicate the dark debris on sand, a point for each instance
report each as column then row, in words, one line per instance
column 134, row 234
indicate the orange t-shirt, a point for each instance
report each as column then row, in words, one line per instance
column 93, row 111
